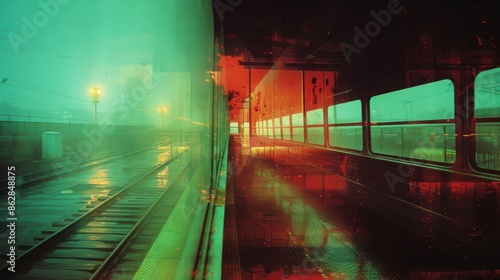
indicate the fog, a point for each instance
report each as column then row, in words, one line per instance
column 143, row 55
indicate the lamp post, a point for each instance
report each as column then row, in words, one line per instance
column 96, row 93
column 163, row 110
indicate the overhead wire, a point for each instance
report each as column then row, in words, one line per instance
column 5, row 81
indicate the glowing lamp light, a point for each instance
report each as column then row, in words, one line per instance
column 96, row 92
column 163, row 110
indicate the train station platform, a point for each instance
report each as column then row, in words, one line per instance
column 289, row 219
column 277, row 212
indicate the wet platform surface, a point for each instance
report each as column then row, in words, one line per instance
column 294, row 221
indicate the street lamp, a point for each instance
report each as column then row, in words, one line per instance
column 96, row 93
column 163, row 110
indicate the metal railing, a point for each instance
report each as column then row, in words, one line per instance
column 24, row 125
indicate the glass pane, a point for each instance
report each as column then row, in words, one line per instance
column 427, row 142
column 277, row 133
column 285, row 121
column 233, row 128
column 433, row 101
column 316, row 135
column 270, row 131
column 277, row 128
column 349, row 112
column 298, row 134
column 349, row 137
column 286, row 133
column 298, row 119
column 487, row 94
column 487, row 145
column 277, row 122
column 315, row 117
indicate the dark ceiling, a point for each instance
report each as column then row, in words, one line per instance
column 312, row 31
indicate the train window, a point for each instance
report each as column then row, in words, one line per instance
column 277, row 128
column 315, row 130
column 416, row 122
column 345, row 125
column 486, row 114
column 315, row 117
column 298, row 127
column 233, row 128
column 285, row 121
column 270, row 130
column 316, row 135
column 487, row 94
column 427, row 142
column 349, row 112
column 433, row 101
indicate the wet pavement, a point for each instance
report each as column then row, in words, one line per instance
column 295, row 221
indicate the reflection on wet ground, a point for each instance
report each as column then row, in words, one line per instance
column 298, row 222
column 283, row 229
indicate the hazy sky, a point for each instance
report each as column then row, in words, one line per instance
column 50, row 56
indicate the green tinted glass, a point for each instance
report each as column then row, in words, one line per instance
column 349, row 112
column 297, row 119
column 433, row 101
column 315, row 117
column 487, row 94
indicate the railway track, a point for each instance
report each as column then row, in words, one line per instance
column 65, row 168
column 90, row 246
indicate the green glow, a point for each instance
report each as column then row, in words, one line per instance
column 428, row 142
column 285, row 121
column 349, row 112
column 298, row 129
column 433, row 101
column 487, row 105
column 349, row 137
column 298, row 119
column 286, row 127
column 316, row 135
column 270, row 130
column 233, row 128
column 298, row 134
column 315, row 117
column 487, row 94
column 277, row 128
